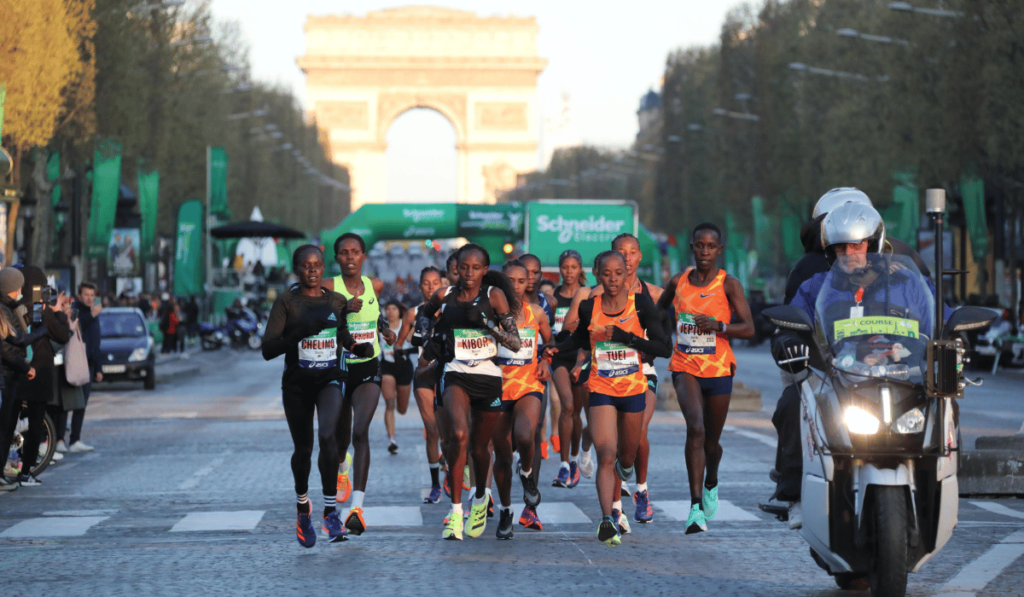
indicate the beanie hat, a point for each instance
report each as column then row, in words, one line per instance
column 11, row 279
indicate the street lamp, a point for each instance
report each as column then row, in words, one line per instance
column 801, row 67
column 202, row 39
column 736, row 115
column 883, row 39
column 935, row 12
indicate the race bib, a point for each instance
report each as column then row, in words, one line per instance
column 560, row 314
column 319, row 351
column 689, row 340
column 616, row 360
column 474, row 345
column 874, row 326
column 388, row 351
column 362, row 332
column 527, row 348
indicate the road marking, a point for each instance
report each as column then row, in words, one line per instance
column 35, row 528
column 80, row 513
column 561, row 513
column 186, row 415
column 999, row 509
column 241, row 520
column 973, row 577
column 727, row 512
column 764, row 439
column 196, row 477
column 391, row 516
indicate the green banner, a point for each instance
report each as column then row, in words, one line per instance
column 586, row 226
column 217, row 165
column 791, row 243
column 490, row 220
column 972, row 189
column 189, row 275
column 53, row 175
column 106, row 178
column 397, row 221
column 149, row 192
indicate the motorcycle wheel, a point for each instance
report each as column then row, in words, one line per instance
column 851, row 581
column 210, row 344
column 255, row 342
column 889, row 574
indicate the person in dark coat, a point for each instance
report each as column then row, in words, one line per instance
column 88, row 310
column 14, row 363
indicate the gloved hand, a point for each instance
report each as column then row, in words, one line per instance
column 362, row 351
column 476, row 316
column 790, row 353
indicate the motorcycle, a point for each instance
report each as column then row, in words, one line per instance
column 244, row 330
column 879, row 427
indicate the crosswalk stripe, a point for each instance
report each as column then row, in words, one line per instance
column 727, row 512
column 240, row 520
column 561, row 513
column 63, row 526
column 392, row 516
column 999, row 509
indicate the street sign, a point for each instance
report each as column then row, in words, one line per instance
column 588, row 226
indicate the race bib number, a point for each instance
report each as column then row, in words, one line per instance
column 527, row 348
column 690, row 340
column 560, row 314
column 876, row 325
column 474, row 345
column 319, row 351
column 616, row 360
column 362, row 332
column 388, row 351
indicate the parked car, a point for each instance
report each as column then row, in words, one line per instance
column 126, row 347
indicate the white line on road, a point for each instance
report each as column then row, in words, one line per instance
column 34, row 528
column 999, row 509
column 242, row 520
column 764, row 439
column 975, row 575
column 194, row 480
column 680, row 511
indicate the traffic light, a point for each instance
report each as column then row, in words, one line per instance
column 508, row 248
column 428, row 243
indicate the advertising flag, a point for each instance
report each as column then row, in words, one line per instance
column 106, row 177
column 149, row 191
column 189, row 274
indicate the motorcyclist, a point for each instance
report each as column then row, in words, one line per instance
column 853, row 232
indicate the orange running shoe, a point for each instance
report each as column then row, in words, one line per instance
column 555, row 444
column 354, row 522
column 544, row 450
column 344, row 484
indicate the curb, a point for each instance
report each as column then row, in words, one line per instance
column 744, row 399
column 992, row 472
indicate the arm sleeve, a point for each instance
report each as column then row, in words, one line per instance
column 658, row 344
column 275, row 343
column 58, row 326
column 580, row 339
column 12, row 357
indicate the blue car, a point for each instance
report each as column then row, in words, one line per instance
column 126, row 347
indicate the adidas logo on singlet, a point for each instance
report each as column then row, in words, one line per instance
column 332, row 318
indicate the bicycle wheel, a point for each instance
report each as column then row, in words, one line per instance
column 47, row 440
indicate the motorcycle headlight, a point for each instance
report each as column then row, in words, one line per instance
column 139, row 354
column 912, row 421
column 860, row 421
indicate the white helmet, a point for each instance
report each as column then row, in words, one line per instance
column 837, row 197
column 852, row 223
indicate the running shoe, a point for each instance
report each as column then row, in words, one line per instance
column 644, row 511
column 490, row 506
column 608, row 532
column 623, row 521
column 505, row 525
column 6, row 485
column 80, row 446
column 544, row 450
column 555, row 444
column 624, row 473
column 530, row 520
column 586, row 465
column 696, row 522
column 531, row 495
column 710, row 502
column 452, row 528
column 434, row 497
column 465, row 478
column 61, row 447
column 624, row 490
column 354, row 521
column 392, row 447
column 344, row 484
column 562, row 480
column 304, row 531
column 28, row 480
column 447, row 487
column 11, row 469
column 477, row 519
column 333, row 528
column 574, row 474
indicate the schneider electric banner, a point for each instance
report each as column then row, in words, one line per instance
column 586, row 226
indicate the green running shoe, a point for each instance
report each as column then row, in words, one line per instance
column 608, row 532
column 452, row 527
column 477, row 519
column 696, row 522
column 710, row 502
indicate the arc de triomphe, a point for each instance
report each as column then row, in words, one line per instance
column 479, row 72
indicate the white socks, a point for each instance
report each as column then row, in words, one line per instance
column 457, row 509
column 641, row 487
column 564, row 465
column 357, row 498
column 617, row 505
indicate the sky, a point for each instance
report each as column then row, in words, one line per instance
column 603, row 54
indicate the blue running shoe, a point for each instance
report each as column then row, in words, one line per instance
column 574, row 474
column 644, row 511
column 562, row 480
column 334, row 529
column 696, row 522
column 434, row 497
column 710, row 502
column 622, row 521
column 304, row 531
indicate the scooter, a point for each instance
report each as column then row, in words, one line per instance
column 878, row 425
column 237, row 332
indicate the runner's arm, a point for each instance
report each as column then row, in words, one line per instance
column 406, row 329
column 505, row 332
column 275, row 341
column 744, row 328
column 542, row 324
column 580, row 338
column 572, row 317
column 650, row 318
column 668, row 295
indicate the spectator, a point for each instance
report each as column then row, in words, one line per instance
column 192, row 317
column 168, row 325
column 15, row 364
column 89, row 325
column 144, row 305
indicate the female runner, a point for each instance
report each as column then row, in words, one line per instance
column 705, row 299
column 616, row 326
column 396, row 372
column 307, row 325
column 418, row 329
column 522, row 393
column 476, row 316
column 570, row 423
column 362, row 390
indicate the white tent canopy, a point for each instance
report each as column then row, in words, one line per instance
column 257, row 249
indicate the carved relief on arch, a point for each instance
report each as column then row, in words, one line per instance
column 391, row 105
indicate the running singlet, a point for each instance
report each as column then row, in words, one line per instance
column 615, row 367
column 470, row 349
column 561, row 312
column 519, row 369
column 387, row 351
column 696, row 353
column 648, row 367
column 362, row 324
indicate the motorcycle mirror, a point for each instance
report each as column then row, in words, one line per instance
column 788, row 317
column 969, row 318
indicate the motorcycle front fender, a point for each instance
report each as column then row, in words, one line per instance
column 866, row 474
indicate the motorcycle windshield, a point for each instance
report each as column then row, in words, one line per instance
column 876, row 314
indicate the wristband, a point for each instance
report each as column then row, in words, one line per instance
column 723, row 327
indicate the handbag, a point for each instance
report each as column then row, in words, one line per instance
column 76, row 362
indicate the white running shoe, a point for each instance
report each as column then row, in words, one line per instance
column 61, row 448
column 586, row 465
column 796, row 516
column 56, row 456
column 80, row 446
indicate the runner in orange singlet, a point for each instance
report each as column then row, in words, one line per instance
column 521, row 401
column 706, row 300
column 616, row 326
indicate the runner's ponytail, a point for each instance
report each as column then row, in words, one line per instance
column 500, row 281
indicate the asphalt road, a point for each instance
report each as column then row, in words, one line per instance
column 189, row 491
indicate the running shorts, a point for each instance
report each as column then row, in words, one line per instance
column 484, row 390
column 709, row 386
column 508, row 405
column 362, row 373
column 401, row 370
column 624, row 404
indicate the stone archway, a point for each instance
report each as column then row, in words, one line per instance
column 479, row 72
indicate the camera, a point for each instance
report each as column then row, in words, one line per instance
column 44, row 294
